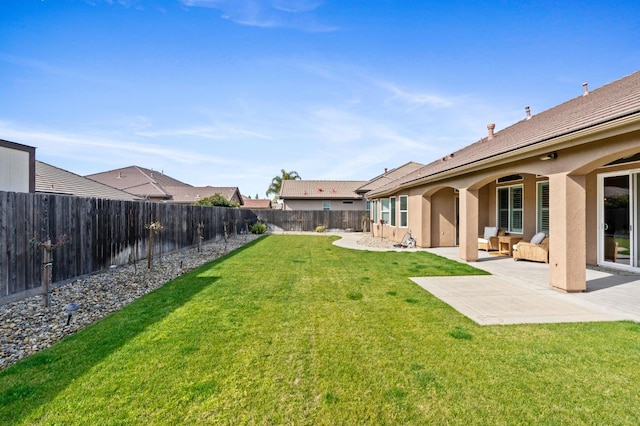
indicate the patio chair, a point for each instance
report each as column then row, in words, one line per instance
column 536, row 250
column 489, row 240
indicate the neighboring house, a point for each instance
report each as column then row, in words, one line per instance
column 53, row 180
column 141, row 182
column 156, row 186
column 322, row 195
column 17, row 167
column 256, row 203
column 572, row 172
column 191, row 194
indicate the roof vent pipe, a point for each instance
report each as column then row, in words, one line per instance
column 490, row 127
column 528, row 111
column 586, row 88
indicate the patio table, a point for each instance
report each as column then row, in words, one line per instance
column 506, row 242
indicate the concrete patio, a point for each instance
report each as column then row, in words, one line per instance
column 519, row 292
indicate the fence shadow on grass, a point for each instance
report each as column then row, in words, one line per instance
column 37, row 380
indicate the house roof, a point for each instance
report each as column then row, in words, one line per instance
column 138, row 180
column 320, row 189
column 613, row 101
column 184, row 194
column 256, row 203
column 389, row 176
column 17, row 146
column 53, row 180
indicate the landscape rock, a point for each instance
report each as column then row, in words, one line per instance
column 27, row 327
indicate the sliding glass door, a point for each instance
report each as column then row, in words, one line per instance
column 618, row 213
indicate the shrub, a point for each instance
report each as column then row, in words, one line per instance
column 215, row 200
column 320, row 228
column 258, row 228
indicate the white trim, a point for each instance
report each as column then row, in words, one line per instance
column 510, row 228
column 634, row 205
column 538, row 185
column 382, row 210
column 406, row 197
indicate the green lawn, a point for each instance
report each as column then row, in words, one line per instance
column 293, row 330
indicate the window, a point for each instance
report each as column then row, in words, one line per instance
column 347, row 202
column 510, row 208
column 368, row 205
column 392, row 207
column 543, row 207
column 404, row 211
column 384, row 210
column 326, row 205
column 509, row 178
column 374, row 211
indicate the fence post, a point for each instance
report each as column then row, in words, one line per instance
column 150, row 252
column 47, row 269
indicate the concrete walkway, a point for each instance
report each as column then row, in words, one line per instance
column 519, row 292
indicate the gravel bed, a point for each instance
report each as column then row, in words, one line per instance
column 369, row 241
column 26, row 327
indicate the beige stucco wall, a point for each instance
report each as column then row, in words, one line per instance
column 487, row 210
column 591, row 231
column 443, row 222
column 336, row 205
column 572, row 180
column 414, row 223
column 14, row 170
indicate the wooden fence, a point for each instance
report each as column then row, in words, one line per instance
column 102, row 233
column 293, row 220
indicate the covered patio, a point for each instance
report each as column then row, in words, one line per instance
column 519, row 293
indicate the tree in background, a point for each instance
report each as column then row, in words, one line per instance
column 276, row 182
column 215, row 200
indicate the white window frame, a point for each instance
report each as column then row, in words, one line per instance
column 374, row 211
column 404, row 213
column 512, row 210
column 384, row 210
column 326, row 205
column 541, row 210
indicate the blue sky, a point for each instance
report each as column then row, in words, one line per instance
column 229, row 92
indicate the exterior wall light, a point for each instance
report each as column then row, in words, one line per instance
column 550, row 156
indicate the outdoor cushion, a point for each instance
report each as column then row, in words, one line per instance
column 490, row 231
column 537, row 239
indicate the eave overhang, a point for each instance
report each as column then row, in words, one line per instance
column 616, row 126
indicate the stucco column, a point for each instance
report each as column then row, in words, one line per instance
column 567, row 232
column 425, row 225
column 468, row 224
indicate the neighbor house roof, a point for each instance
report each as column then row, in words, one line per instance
column 138, row 181
column 389, row 176
column 183, row 194
column 320, row 189
column 53, row 180
column 614, row 101
column 256, row 203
